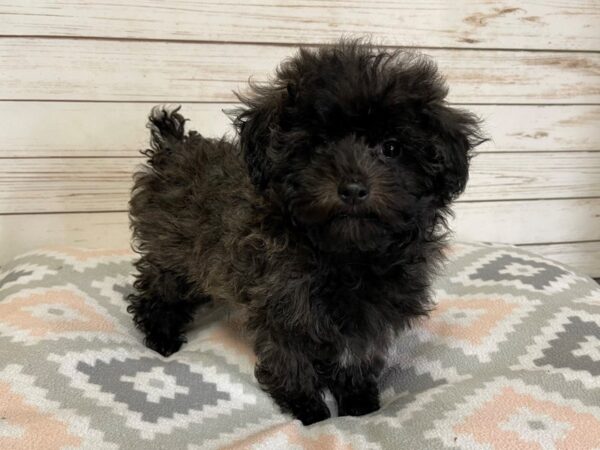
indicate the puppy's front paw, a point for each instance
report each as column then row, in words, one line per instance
column 310, row 413
column 307, row 408
column 165, row 345
column 358, row 403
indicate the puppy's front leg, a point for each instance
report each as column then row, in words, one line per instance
column 355, row 387
column 289, row 376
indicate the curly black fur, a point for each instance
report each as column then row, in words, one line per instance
column 324, row 223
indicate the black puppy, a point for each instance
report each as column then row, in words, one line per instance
column 323, row 223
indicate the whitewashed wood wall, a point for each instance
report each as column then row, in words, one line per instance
column 78, row 77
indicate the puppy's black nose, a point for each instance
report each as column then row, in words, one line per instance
column 353, row 192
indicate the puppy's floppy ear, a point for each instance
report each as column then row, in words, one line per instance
column 455, row 133
column 257, row 125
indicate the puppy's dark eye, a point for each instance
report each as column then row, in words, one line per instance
column 390, row 149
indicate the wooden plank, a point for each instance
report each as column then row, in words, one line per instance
column 111, row 230
column 528, row 221
column 505, row 176
column 102, row 184
column 35, row 69
column 540, row 128
column 58, row 185
column 23, row 233
column 466, row 23
column 584, row 257
column 55, row 129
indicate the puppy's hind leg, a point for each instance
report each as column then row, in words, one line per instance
column 162, row 307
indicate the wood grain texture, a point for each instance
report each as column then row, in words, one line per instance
column 583, row 257
column 111, row 230
column 23, row 233
column 57, row 129
column 64, row 69
column 468, row 23
column 103, row 184
column 507, row 176
column 528, row 128
column 528, row 221
column 57, row 185
column 540, row 108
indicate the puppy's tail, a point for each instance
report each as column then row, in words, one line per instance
column 167, row 133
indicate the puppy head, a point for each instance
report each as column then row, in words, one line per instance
column 356, row 144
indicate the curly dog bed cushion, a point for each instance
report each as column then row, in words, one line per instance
column 509, row 359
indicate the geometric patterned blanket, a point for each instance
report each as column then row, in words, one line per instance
column 509, row 359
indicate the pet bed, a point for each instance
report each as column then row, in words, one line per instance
column 509, row 359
